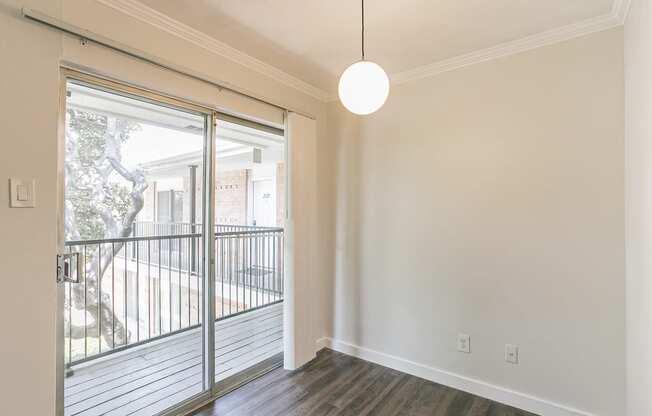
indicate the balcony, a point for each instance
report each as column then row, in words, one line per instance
column 133, row 334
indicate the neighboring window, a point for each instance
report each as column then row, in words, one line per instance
column 170, row 206
column 164, row 211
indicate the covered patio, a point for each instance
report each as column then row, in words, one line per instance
column 151, row 377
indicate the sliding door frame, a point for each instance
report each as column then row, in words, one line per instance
column 208, row 220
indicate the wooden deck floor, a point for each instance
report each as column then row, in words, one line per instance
column 148, row 379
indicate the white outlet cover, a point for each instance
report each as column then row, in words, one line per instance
column 511, row 353
column 464, row 343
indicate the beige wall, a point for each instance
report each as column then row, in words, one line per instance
column 638, row 104
column 489, row 201
column 29, row 84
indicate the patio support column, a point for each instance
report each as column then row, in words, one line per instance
column 193, row 214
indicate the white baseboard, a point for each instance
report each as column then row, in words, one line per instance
column 477, row 387
column 324, row 342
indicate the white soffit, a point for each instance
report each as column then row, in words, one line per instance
column 146, row 14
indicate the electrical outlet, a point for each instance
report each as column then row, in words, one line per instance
column 464, row 343
column 511, row 353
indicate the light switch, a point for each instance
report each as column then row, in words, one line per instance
column 22, row 193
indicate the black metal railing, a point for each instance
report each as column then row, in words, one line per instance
column 147, row 286
column 149, row 228
column 249, row 269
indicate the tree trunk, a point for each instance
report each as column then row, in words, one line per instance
column 87, row 294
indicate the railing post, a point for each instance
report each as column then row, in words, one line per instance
column 248, row 259
column 133, row 234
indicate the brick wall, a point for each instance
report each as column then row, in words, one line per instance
column 231, row 197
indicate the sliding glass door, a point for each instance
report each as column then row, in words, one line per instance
column 249, row 270
column 137, row 245
column 171, row 265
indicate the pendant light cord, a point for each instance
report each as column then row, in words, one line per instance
column 362, row 29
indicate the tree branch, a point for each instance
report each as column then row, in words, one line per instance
column 110, row 323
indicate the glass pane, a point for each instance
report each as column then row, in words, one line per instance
column 249, row 216
column 133, row 339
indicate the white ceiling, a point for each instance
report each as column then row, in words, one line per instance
column 316, row 40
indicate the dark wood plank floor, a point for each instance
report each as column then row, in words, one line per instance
column 336, row 384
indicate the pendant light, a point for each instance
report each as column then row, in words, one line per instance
column 364, row 86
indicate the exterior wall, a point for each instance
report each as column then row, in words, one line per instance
column 231, row 197
column 280, row 194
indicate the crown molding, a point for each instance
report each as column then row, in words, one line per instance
column 161, row 21
column 616, row 17
column 620, row 10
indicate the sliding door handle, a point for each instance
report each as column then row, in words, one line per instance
column 65, row 272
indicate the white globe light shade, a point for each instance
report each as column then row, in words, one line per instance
column 364, row 87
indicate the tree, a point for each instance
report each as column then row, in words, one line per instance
column 102, row 199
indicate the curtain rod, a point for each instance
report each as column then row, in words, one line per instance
column 87, row 35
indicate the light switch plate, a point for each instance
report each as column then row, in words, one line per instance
column 22, row 193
